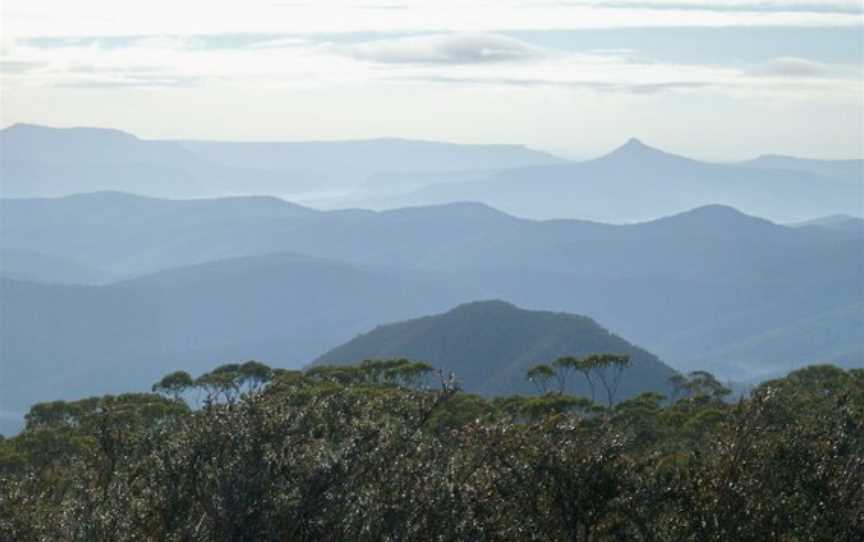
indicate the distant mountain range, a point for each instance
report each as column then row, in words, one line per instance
column 636, row 182
column 212, row 281
column 633, row 183
column 106, row 291
column 843, row 223
column 490, row 345
column 839, row 170
column 39, row 161
column 148, row 235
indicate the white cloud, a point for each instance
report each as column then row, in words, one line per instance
column 851, row 6
column 109, row 17
column 452, row 59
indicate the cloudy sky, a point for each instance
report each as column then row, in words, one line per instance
column 714, row 79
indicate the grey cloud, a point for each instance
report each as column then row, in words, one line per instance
column 156, row 81
column 390, row 7
column 109, row 43
column 599, row 86
column 656, row 88
column 100, row 76
column 102, row 42
column 20, row 66
column 221, row 41
column 115, row 70
column 498, row 81
column 444, row 49
column 743, row 7
column 791, row 67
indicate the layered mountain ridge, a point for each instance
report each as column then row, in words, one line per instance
column 105, row 291
column 635, row 182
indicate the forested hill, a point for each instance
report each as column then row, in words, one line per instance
column 490, row 345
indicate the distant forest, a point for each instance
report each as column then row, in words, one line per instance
column 392, row 450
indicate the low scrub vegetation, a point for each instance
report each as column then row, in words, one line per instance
column 387, row 450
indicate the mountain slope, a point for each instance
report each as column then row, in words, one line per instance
column 333, row 158
column 131, row 235
column 60, row 341
column 170, row 233
column 490, row 345
column 822, row 337
column 850, row 225
column 848, row 171
column 148, row 235
column 41, row 161
column 36, row 267
column 697, row 283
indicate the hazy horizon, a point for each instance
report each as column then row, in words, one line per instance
column 576, row 156
column 720, row 80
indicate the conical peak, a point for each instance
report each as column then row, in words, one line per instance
column 635, row 151
column 635, row 145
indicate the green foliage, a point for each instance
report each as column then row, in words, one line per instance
column 366, row 453
column 460, row 410
column 174, row 384
column 540, row 375
column 700, row 386
column 538, row 407
column 603, row 369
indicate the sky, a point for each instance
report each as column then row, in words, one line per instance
column 712, row 79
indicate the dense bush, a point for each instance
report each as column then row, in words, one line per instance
column 371, row 453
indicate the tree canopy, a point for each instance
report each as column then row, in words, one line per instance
column 379, row 451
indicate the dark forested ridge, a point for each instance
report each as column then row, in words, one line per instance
column 490, row 345
column 373, row 452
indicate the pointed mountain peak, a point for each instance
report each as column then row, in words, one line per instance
column 636, row 153
column 636, row 146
